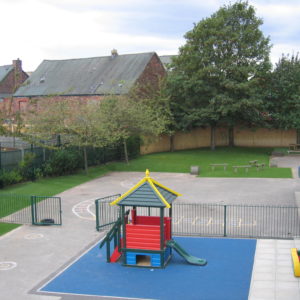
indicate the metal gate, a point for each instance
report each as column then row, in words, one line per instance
column 215, row 220
column 106, row 215
column 46, row 210
column 25, row 209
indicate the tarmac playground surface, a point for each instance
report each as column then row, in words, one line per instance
column 31, row 257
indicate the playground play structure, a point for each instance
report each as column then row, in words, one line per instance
column 145, row 241
column 296, row 261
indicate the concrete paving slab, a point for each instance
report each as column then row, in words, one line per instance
column 282, row 281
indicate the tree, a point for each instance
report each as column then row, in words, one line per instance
column 76, row 120
column 3, row 128
column 217, row 77
column 131, row 115
column 284, row 93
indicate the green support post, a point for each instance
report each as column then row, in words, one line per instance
column 162, row 237
column 124, row 232
column 119, row 237
column 33, row 209
column 97, row 214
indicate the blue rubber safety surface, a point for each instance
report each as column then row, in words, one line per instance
column 226, row 276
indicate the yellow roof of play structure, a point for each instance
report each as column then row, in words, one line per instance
column 147, row 192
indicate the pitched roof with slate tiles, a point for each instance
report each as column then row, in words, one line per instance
column 166, row 59
column 147, row 192
column 86, row 76
column 4, row 70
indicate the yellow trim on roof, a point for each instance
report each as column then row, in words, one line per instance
column 158, row 193
column 164, row 187
column 296, row 263
column 152, row 183
column 129, row 191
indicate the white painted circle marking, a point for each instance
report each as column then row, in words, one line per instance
column 33, row 236
column 83, row 210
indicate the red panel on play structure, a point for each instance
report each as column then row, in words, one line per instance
column 143, row 237
column 116, row 254
column 167, row 229
column 145, row 233
column 146, row 220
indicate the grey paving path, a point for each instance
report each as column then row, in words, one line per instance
column 34, row 253
column 272, row 275
column 289, row 161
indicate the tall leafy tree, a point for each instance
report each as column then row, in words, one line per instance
column 217, row 77
column 134, row 115
column 284, row 93
column 77, row 120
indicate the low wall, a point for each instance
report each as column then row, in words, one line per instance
column 200, row 137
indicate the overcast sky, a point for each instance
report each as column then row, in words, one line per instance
column 34, row 30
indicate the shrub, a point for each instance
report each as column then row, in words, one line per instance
column 26, row 167
column 133, row 146
column 62, row 162
column 9, row 178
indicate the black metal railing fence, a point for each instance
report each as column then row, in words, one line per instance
column 215, row 220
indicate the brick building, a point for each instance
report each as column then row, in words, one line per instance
column 90, row 78
column 11, row 77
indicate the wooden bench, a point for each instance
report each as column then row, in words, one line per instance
column 218, row 165
column 246, row 167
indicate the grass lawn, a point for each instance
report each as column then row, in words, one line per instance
column 55, row 185
column 181, row 161
column 5, row 227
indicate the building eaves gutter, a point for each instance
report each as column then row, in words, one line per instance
column 67, row 95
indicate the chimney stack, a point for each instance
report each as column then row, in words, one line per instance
column 17, row 65
column 114, row 53
column 18, row 73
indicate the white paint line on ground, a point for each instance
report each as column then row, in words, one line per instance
column 7, row 265
column 33, row 236
column 82, row 210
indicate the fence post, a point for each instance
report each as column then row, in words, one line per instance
column 225, row 220
column 22, row 153
column 44, row 154
column 33, row 203
column 97, row 214
column 0, row 157
column 58, row 140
